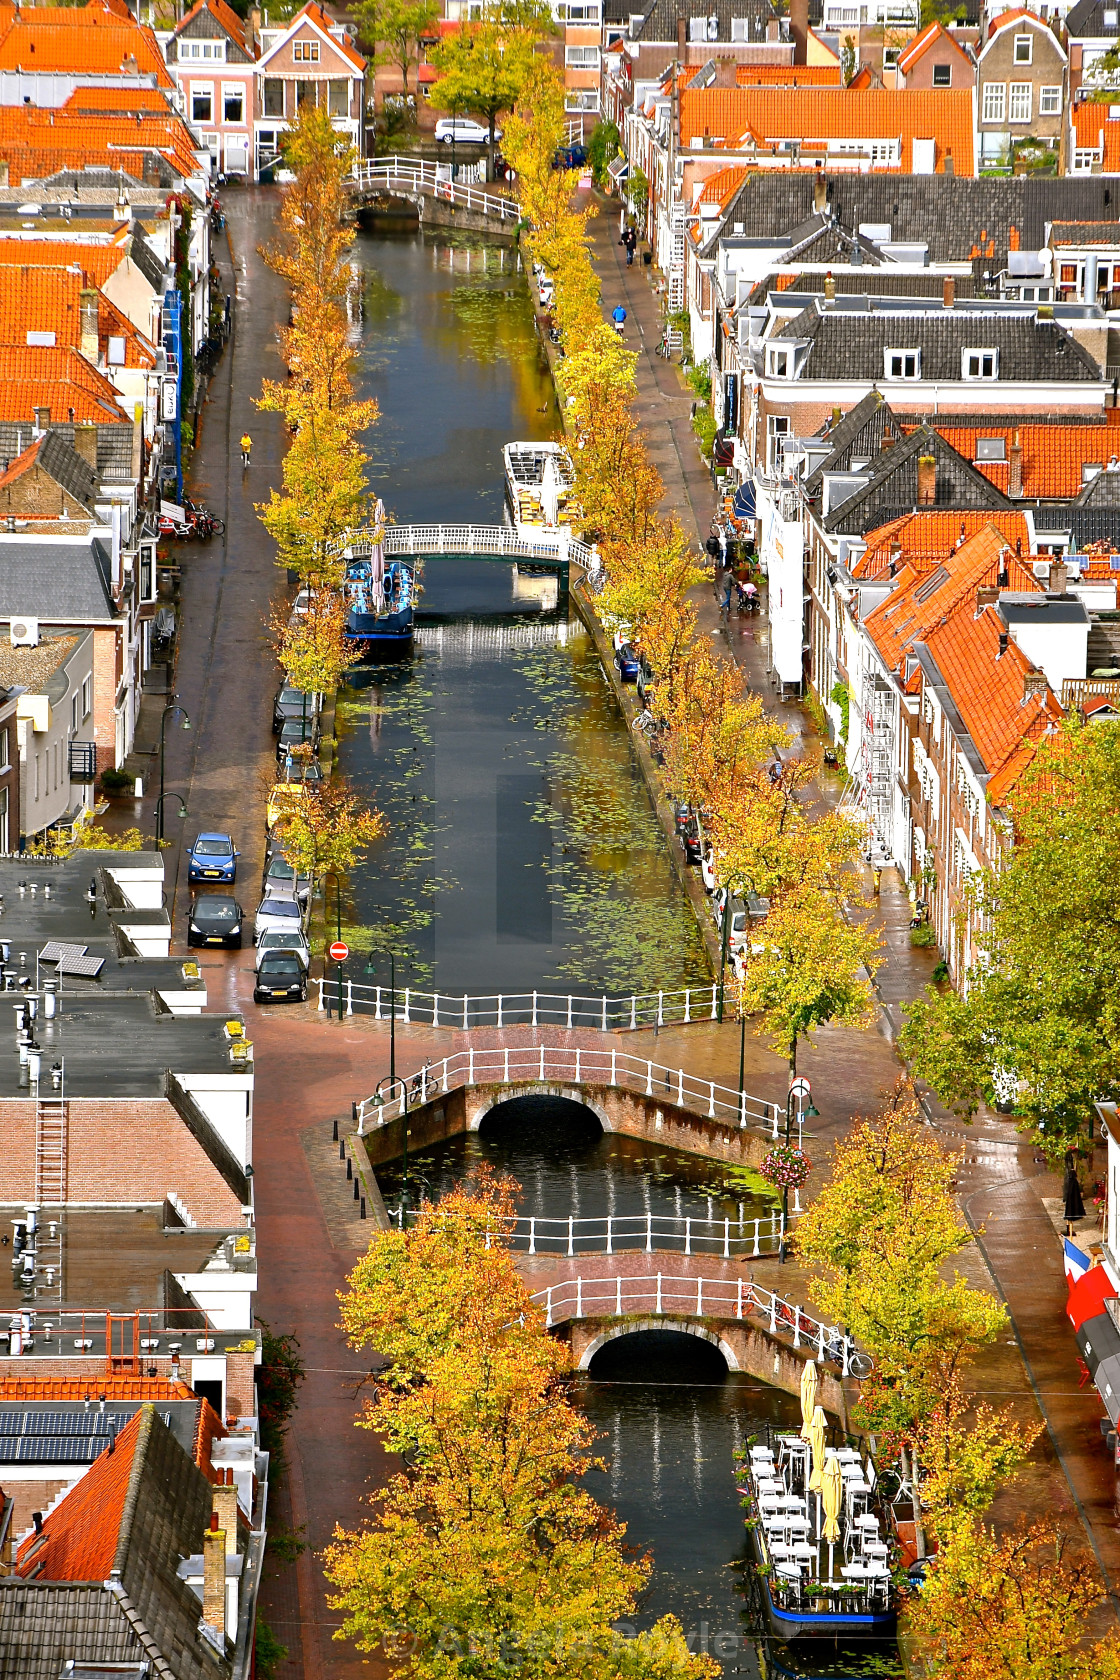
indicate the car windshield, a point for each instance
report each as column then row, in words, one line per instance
column 214, row 847
column 293, row 697
column 281, row 907
column 279, row 870
column 281, row 965
column 216, row 910
column 281, row 937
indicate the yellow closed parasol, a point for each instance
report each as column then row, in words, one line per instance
column 808, row 1397
column 816, row 1442
column 832, row 1492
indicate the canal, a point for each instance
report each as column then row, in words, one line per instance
column 522, row 852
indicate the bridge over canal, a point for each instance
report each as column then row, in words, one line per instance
column 558, row 553
column 437, row 199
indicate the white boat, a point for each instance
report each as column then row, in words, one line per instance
column 539, row 487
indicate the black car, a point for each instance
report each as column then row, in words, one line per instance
column 215, row 920
column 689, row 837
column 292, row 703
column 297, row 732
column 280, row 978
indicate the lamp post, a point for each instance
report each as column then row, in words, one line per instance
column 798, row 1088
column 332, row 874
column 181, row 812
column 390, row 1079
column 186, row 723
column 724, row 937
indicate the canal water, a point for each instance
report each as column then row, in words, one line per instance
column 522, row 852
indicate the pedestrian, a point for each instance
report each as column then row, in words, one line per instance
column 630, row 240
column 728, row 588
column 1074, row 1206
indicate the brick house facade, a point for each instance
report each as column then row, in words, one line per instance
column 310, row 61
column 1022, row 87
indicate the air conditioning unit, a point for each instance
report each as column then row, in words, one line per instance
column 24, row 632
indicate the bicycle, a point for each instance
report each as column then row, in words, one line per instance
column 246, row 452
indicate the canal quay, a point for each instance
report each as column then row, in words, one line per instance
column 523, row 854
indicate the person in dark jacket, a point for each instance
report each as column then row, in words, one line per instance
column 630, row 240
column 1074, row 1208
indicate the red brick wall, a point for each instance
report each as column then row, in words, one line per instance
column 121, row 1150
column 106, row 675
column 241, row 1398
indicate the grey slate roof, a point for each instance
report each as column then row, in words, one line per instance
column 58, row 457
column 43, row 1625
column 948, row 212
column 114, row 445
column 847, row 344
column 1103, row 491
column 58, row 582
column 1087, row 233
column 857, row 433
column 660, row 20
column 1086, row 21
column 150, row 265
column 1085, row 525
column 893, row 487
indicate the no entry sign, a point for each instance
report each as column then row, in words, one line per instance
column 339, row 951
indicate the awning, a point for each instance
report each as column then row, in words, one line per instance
column 1099, row 1341
column 1088, row 1296
column 743, row 505
column 619, row 169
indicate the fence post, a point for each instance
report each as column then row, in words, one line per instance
column 322, row 1005
column 775, row 1132
column 470, row 1066
column 464, row 1011
column 649, row 1233
column 577, row 1064
column 569, row 1011
column 661, row 1008
column 633, row 1012
column 773, row 1313
column 534, row 1022
column 407, row 1017
column 614, row 1067
column 688, row 1236
column 548, row 1308
column 820, row 1342
column 435, row 1009
column 571, row 1236
column 579, row 1297
column 610, row 1233
column 687, row 1005
column 659, row 1291
column 797, row 1327
column 505, row 1066
column 755, row 1250
column 349, row 997
column 739, row 1300
column 618, row 1297
column 604, row 1012
column 727, row 1239
column 378, row 1015
column 649, row 1079
column 699, row 1297
column 680, row 1087
column 715, row 994
column 712, row 1100
column 500, row 1016
column 542, row 1061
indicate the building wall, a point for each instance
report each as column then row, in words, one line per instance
column 962, row 71
column 997, row 68
column 46, row 792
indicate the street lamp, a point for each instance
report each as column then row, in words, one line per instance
column 327, row 876
column 186, row 723
column 390, row 1079
column 181, row 812
column 798, row 1088
column 725, row 935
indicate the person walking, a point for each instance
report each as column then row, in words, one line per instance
column 630, row 240
column 728, row 591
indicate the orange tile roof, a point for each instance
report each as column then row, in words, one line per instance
column 116, row 102
column 987, row 688
column 319, row 17
column 40, row 299
column 37, row 142
column 208, row 1429
column 112, row 1386
column 1053, row 456
column 79, row 1538
column 787, row 75
column 923, row 42
column 927, row 537
column 921, row 598
column 721, row 187
column 813, row 116
column 1094, row 127
column 57, row 39
column 59, row 379
column 96, row 262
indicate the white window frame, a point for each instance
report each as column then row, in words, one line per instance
column 581, row 58
column 581, row 99
column 1049, row 101
column 1020, row 104
column 948, row 79
column 87, row 697
column 1084, row 158
column 305, row 52
column 781, row 362
column 980, row 363
column 902, row 355
column 994, row 108
column 212, row 52
column 777, row 426
column 235, row 90
column 1024, row 49
column 202, row 90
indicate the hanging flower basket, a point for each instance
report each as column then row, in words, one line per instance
column 786, row 1167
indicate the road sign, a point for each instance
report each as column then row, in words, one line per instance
column 799, row 1088
column 339, row 951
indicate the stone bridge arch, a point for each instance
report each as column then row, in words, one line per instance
column 489, row 1098
column 636, row 1326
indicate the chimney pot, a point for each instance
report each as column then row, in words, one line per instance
column 927, row 481
column 1002, row 643
column 820, row 194
column 986, row 596
column 829, row 288
column 1034, row 684
column 88, row 323
column 1015, row 469
column 949, row 291
column 948, row 165
column 1057, row 577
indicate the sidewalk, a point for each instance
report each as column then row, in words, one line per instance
column 1002, row 1182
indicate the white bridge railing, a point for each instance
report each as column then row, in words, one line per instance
column 650, row 1233
column 501, row 541
column 571, row 1065
column 701, row 1297
column 525, row 1009
column 412, row 175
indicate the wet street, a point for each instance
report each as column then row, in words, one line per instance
column 434, row 352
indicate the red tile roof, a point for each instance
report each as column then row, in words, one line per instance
column 987, row 686
column 34, row 299
column 96, row 262
column 319, row 17
column 58, row 379
column 90, row 39
column 78, row 1389
column 1053, row 456
column 928, row 537
column 208, row 1429
column 721, row 187
column 813, row 116
column 920, row 599
column 1094, row 127
column 37, row 142
column 921, row 45
column 79, row 1538
column 787, row 75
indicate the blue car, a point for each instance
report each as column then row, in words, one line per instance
column 213, row 858
column 628, row 663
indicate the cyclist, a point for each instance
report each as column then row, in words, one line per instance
column 246, row 448
column 618, row 317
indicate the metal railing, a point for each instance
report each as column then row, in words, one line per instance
column 729, row 1239
column 502, row 541
column 527, row 1009
column 700, row 1297
column 573, row 1065
column 434, row 179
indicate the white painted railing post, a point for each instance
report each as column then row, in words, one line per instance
column 680, row 1087
column 604, row 1013
column 715, row 1009
column 659, row 1292
column 505, row 1066
column 739, row 1300
column 577, row 1064
column 610, row 1234
column 727, row 1239
column 499, row 1009
column 797, row 1327
column 712, row 1101
column 542, row 1062
column 773, row 1314
column 579, row 1297
column 470, row 1066
column 377, row 1015
column 435, row 1010
column 633, row 1012
column 687, row 1006
column 688, row 1236
column 755, row 1250
column 407, row 1017
column 548, row 1309
column 571, row 1237
column 534, row 1009
column 618, row 1296
column 350, row 1004
column 661, row 1009
column 320, row 984
column 569, row 1011
column 820, row 1341
column 614, row 1066
column 649, row 1233
column 464, row 1011
column 699, row 1297
column 649, row 1079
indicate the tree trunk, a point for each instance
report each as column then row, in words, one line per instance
column 910, row 1469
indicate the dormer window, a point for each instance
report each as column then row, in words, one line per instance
column 902, row 364
column 781, row 364
column 979, row 364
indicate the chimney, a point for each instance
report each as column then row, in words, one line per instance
column 948, row 164
column 829, row 289
column 820, row 194
column 927, row 481
column 836, row 414
column 85, row 442
column 225, row 1510
column 949, row 292
column 682, row 39
column 87, row 315
column 214, row 1577
column 137, row 441
column 799, row 29
column 1034, row 684
column 4, row 173
column 1002, row 644
column 773, row 29
column 254, row 30
column 1057, row 584
column 42, row 418
column 894, row 557
column 986, row 596
column 1015, row 473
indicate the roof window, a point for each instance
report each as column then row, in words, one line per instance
column 980, row 364
column 1090, row 470
column 902, row 364
column 991, row 449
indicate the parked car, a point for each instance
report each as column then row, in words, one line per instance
column 213, row 858
column 279, row 876
column 292, row 703
column 281, row 977
column 278, row 914
column 294, row 943
column 738, row 935
column 689, row 837
column 286, row 795
column 463, row 130
column 570, row 157
column 215, row 920
column 628, row 662
column 297, row 732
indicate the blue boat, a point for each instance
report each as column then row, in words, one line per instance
column 812, row 1589
column 380, row 608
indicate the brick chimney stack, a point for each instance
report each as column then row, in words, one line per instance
column 85, row 442
column 1057, row 584
column 927, row 481
column 214, row 1577
column 87, row 324
column 225, row 1510
column 949, row 292
column 799, row 29
column 1015, row 473
column 1034, row 684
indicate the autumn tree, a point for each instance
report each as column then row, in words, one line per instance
column 485, row 1553
column 482, row 66
column 1040, row 1021
column 328, row 828
column 311, row 647
column 393, row 29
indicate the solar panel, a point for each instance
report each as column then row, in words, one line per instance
column 53, row 951
column 90, row 966
column 53, row 1449
column 46, row 1424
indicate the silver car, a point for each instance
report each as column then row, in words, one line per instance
column 278, row 913
column 294, row 943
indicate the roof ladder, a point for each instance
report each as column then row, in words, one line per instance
column 676, row 261
column 50, row 1150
